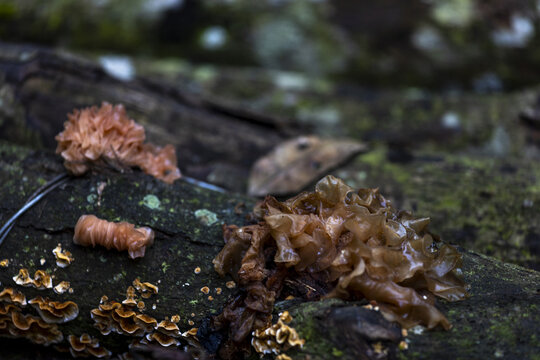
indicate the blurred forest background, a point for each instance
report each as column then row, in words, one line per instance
column 445, row 45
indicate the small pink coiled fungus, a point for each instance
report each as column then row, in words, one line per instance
column 122, row 236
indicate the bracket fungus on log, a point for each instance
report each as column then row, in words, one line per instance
column 63, row 257
column 62, row 287
column 145, row 288
column 10, row 295
column 352, row 244
column 96, row 137
column 55, row 312
column 166, row 334
column 112, row 316
column 90, row 230
column 161, row 339
column 85, row 346
column 131, row 297
column 41, row 280
column 17, row 325
column 277, row 337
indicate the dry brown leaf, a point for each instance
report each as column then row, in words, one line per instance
column 297, row 162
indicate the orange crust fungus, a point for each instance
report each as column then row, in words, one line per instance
column 55, row 312
column 122, row 236
column 343, row 243
column 106, row 136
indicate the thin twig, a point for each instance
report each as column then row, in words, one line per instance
column 202, row 184
column 33, row 199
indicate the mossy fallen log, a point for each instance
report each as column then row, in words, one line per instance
column 463, row 160
column 498, row 320
column 40, row 86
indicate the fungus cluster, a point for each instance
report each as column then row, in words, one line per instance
column 41, row 280
column 91, row 231
column 165, row 334
column 62, row 287
column 123, row 318
column 9, row 295
column 15, row 324
column 145, row 288
column 85, row 346
column 276, row 338
column 344, row 243
column 96, row 137
column 63, row 257
column 55, row 312
column 112, row 316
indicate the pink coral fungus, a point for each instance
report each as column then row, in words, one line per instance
column 94, row 137
column 347, row 244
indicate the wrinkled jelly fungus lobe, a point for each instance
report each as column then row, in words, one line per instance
column 354, row 242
